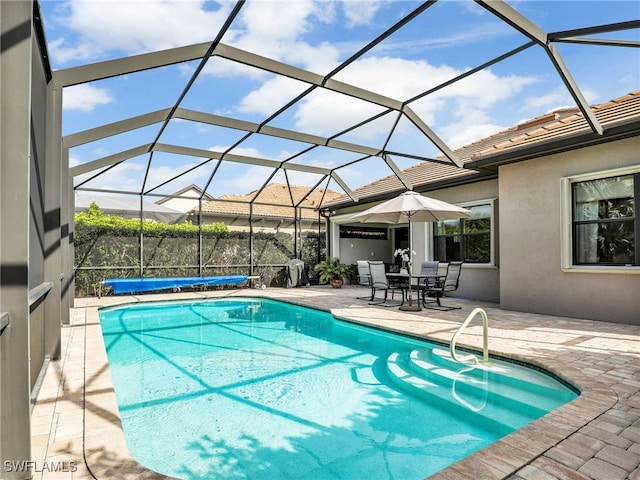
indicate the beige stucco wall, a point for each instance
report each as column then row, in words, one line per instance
column 182, row 204
column 477, row 282
column 531, row 274
column 354, row 249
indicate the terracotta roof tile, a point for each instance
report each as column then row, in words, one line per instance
column 273, row 201
column 550, row 126
column 624, row 108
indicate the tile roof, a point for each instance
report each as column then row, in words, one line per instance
column 540, row 131
column 620, row 110
column 273, row 201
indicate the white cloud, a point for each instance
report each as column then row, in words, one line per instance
column 124, row 177
column 133, row 26
column 549, row 100
column 62, row 54
column 271, row 95
column 85, row 98
column 558, row 99
column 397, row 78
column 325, row 113
column 247, row 179
column 245, row 151
column 360, row 12
column 465, row 133
column 274, row 29
column 160, row 174
column 485, row 88
column 73, row 161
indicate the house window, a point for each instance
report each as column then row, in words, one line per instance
column 605, row 227
column 466, row 239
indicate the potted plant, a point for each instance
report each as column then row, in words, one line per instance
column 332, row 271
column 405, row 256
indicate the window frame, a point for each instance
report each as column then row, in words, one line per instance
column 492, row 202
column 568, row 239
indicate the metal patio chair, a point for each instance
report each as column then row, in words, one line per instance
column 428, row 267
column 440, row 287
column 379, row 281
column 364, row 277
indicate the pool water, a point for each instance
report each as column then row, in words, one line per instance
column 261, row 389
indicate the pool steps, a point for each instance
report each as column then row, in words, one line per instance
column 527, row 380
column 502, row 407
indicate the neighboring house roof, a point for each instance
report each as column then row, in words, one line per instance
column 274, row 201
column 559, row 130
column 128, row 207
column 197, row 193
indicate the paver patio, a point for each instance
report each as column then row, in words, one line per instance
column 76, row 427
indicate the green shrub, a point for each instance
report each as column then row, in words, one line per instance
column 108, row 246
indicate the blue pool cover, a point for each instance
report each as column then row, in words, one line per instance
column 129, row 285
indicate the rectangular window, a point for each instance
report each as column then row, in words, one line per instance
column 466, row 239
column 604, row 221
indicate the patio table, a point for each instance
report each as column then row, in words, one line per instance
column 404, row 286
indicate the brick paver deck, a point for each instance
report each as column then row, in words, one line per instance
column 76, row 427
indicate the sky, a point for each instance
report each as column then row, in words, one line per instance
column 444, row 41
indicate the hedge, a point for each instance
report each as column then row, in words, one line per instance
column 108, row 246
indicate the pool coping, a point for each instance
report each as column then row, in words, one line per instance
column 104, row 448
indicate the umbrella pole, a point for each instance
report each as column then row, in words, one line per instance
column 411, row 307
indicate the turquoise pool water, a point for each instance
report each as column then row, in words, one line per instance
column 261, row 389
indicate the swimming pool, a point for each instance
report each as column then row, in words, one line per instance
column 260, row 389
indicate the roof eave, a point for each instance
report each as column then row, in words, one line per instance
column 481, row 175
column 570, row 142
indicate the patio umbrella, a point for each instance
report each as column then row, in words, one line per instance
column 407, row 207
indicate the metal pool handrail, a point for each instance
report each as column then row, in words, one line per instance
column 485, row 338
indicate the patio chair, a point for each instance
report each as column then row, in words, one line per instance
column 379, row 281
column 364, row 277
column 426, row 268
column 440, row 287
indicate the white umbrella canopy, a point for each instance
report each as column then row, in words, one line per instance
column 411, row 206
column 407, row 207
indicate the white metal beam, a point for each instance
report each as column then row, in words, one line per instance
column 574, row 90
column 525, row 26
column 115, row 128
column 110, row 160
column 399, row 173
column 273, row 131
column 437, row 141
column 136, row 63
column 344, row 187
column 512, row 17
column 229, row 157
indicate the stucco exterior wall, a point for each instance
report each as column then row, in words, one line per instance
column 181, row 204
column 477, row 282
column 531, row 274
column 352, row 250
